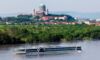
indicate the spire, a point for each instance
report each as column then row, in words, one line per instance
column 34, row 12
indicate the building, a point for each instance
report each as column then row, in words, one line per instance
column 43, row 14
column 54, row 17
column 42, row 11
column 97, row 23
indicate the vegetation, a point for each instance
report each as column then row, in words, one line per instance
column 16, row 34
column 30, row 19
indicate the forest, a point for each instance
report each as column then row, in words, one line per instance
column 19, row 34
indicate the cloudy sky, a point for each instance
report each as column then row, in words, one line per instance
column 26, row 6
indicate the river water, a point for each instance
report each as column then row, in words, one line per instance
column 90, row 51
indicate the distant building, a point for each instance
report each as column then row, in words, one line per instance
column 54, row 17
column 42, row 11
column 43, row 14
column 97, row 23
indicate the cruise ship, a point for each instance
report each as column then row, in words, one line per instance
column 48, row 50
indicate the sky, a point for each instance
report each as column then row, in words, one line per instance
column 26, row 6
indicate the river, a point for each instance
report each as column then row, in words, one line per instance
column 90, row 51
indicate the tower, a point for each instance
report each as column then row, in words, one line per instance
column 47, row 12
column 42, row 8
column 34, row 12
column 42, row 11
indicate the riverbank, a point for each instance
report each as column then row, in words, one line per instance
column 19, row 34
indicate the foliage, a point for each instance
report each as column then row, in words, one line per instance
column 14, row 34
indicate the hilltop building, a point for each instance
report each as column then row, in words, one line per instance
column 42, row 11
column 43, row 14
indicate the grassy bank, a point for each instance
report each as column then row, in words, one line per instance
column 16, row 34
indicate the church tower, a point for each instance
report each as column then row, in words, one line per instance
column 42, row 11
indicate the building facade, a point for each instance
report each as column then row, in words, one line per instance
column 43, row 14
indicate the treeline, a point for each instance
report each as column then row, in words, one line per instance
column 30, row 19
column 17, row 34
column 19, row 19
